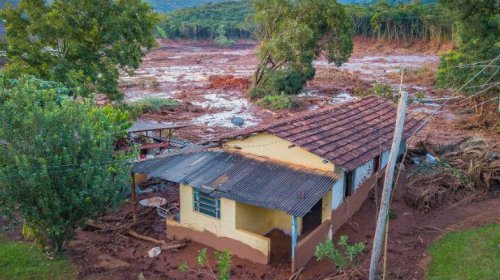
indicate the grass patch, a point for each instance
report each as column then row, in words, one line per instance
column 24, row 261
column 276, row 102
column 469, row 254
column 153, row 104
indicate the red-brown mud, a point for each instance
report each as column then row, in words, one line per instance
column 211, row 82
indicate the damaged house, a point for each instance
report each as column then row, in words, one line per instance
column 278, row 190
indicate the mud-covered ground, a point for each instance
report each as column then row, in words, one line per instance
column 211, row 83
column 186, row 70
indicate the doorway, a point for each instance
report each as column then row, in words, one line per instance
column 312, row 219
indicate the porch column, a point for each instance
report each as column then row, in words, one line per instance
column 133, row 195
column 294, row 237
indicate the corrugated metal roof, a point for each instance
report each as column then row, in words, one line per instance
column 247, row 180
column 142, row 125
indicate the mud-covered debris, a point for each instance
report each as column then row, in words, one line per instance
column 467, row 168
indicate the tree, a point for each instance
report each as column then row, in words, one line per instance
column 57, row 161
column 292, row 35
column 478, row 43
column 81, row 43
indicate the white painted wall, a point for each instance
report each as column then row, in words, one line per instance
column 362, row 173
column 338, row 191
column 402, row 147
column 384, row 159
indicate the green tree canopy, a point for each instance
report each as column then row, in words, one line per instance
column 292, row 34
column 81, row 43
column 57, row 161
column 478, row 44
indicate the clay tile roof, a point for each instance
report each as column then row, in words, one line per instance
column 347, row 134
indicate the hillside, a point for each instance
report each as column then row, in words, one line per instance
column 159, row 5
column 169, row 5
column 389, row 1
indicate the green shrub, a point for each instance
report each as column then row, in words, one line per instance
column 288, row 81
column 344, row 257
column 276, row 102
column 223, row 41
column 223, row 260
column 153, row 104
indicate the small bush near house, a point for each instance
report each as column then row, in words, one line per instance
column 469, row 254
column 24, row 261
column 153, row 104
column 223, row 261
column 276, row 102
column 344, row 256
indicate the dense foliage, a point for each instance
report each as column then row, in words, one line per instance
column 403, row 21
column 210, row 21
column 292, row 35
column 170, row 5
column 392, row 20
column 81, row 43
column 57, row 161
column 478, row 52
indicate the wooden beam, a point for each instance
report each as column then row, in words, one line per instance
column 133, row 195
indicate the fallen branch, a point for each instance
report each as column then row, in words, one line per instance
column 164, row 245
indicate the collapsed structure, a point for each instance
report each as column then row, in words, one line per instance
column 303, row 177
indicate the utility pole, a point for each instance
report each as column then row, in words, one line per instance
column 387, row 191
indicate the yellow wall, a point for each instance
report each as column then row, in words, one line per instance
column 262, row 220
column 326, row 212
column 273, row 147
column 223, row 227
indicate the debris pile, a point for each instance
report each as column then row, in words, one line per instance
column 451, row 173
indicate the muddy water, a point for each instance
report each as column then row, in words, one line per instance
column 181, row 71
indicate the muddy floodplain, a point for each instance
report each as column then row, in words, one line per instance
column 185, row 71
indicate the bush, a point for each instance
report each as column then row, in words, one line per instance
column 223, row 41
column 223, row 260
column 153, row 104
column 276, row 102
column 287, row 81
column 344, row 257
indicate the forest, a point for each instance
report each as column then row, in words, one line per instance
column 209, row 21
column 378, row 19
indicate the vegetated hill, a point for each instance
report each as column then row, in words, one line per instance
column 210, row 21
column 159, row 5
column 405, row 21
column 169, row 5
column 392, row 2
